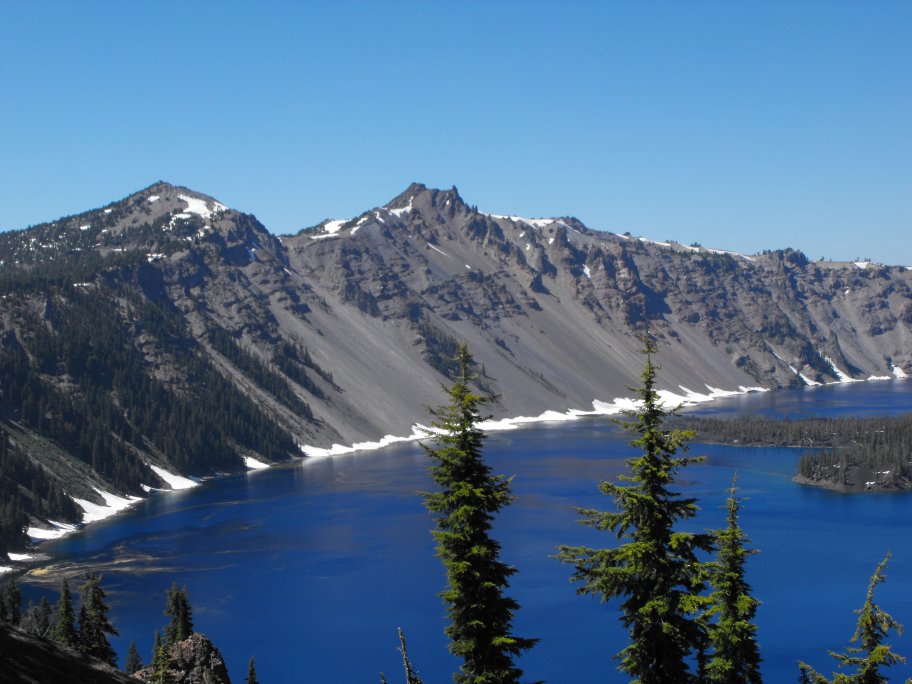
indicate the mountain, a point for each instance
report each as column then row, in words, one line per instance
column 167, row 333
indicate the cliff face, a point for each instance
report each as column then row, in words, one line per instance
column 167, row 313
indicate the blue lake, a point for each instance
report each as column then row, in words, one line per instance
column 311, row 567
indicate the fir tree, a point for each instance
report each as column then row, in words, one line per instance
column 177, row 607
column 655, row 569
column 161, row 661
column 10, row 602
column 64, row 629
column 871, row 654
column 468, row 497
column 735, row 658
column 134, row 663
column 251, row 673
column 94, row 625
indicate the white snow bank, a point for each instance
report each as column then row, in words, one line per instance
column 84, row 227
column 361, row 222
column 108, row 211
column 402, row 210
column 201, row 207
column 898, row 372
column 843, row 377
column 807, row 380
column 254, row 464
column 880, row 377
column 334, row 226
column 862, row 264
column 5, row 568
column 587, row 272
column 437, row 249
column 92, row 512
column 176, row 481
column 19, row 557
column 154, row 198
column 59, row 530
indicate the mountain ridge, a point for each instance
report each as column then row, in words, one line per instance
column 169, row 312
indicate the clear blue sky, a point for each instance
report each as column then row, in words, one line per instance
column 738, row 125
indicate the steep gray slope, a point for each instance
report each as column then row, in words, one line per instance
column 345, row 331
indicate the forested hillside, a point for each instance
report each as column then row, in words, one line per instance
column 167, row 333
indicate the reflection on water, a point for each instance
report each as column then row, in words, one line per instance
column 312, row 567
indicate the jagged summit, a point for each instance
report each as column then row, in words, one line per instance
column 340, row 334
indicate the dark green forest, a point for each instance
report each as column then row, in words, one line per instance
column 872, row 453
column 74, row 374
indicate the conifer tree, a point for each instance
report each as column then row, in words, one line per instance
column 64, row 629
column 481, row 615
column 736, row 657
column 161, row 661
column 134, row 663
column 94, row 625
column 10, row 602
column 655, row 569
column 871, row 654
column 177, row 607
column 251, row 673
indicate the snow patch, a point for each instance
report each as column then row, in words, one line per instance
column 19, row 557
column 808, row 381
column 587, row 272
column 618, row 405
column 201, row 207
column 436, row 249
column 108, row 211
column 154, row 198
column 254, row 464
column 85, row 227
column 843, row 377
column 176, row 481
column 403, row 210
column 92, row 512
column 862, row 264
column 898, row 372
column 361, row 222
column 334, row 226
column 880, row 377
column 60, row 529
column 550, row 241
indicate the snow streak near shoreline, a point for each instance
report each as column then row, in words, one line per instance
column 600, row 408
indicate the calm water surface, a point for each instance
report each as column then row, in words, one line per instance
column 311, row 567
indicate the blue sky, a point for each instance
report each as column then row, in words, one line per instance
column 743, row 125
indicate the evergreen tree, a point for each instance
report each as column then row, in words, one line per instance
column 251, row 673
column 134, row 662
column 178, row 609
column 94, row 625
column 871, row 654
column 161, row 661
column 735, row 658
column 655, row 569
column 10, row 602
column 468, row 497
column 64, row 629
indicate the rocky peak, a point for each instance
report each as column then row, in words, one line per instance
column 195, row 660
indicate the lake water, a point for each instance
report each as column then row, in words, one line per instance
column 311, row 567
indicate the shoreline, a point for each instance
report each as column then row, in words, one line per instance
column 117, row 504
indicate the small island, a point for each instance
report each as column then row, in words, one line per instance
column 843, row 454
